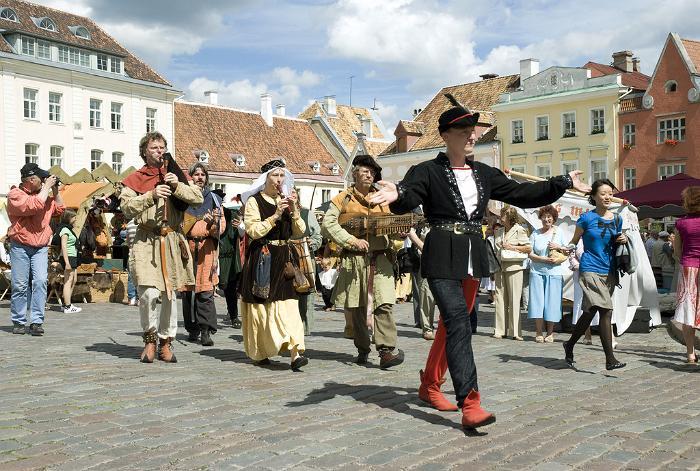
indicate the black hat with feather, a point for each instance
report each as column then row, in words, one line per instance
column 457, row 116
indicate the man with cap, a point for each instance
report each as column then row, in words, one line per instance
column 662, row 261
column 365, row 267
column 30, row 207
column 454, row 191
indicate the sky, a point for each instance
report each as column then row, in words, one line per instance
column 399, row 53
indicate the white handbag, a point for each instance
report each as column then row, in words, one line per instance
column 511, row 255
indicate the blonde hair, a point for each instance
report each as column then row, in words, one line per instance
column 509, row 215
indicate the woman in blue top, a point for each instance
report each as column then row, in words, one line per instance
column 600, row 230
column 546, row 275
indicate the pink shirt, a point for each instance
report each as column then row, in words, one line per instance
column 30, row 218
column 689, row 229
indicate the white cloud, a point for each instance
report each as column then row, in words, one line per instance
column 389, row 116
column 289, row 76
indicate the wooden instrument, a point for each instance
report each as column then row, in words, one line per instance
column 360, row 224
column 303, row 255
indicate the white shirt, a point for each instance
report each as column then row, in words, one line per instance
column 467, row 188
column 328, row 278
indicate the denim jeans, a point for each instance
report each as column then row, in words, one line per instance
column 131, row 288
column 26, row 260
column 460, row 357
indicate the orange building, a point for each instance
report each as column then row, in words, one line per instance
column 660, row 128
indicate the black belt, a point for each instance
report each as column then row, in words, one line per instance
column 460, row 227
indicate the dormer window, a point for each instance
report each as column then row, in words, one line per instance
column 238, row 159
column 316, row 167
column 335, row 169
column 47, row 24
column 81, row 32
column 9, row 15
column 203, row 156
column 670, row 86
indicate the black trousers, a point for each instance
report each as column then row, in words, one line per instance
column 460, row 357
column 326, row 295
column 231, row 293
column 205, row 311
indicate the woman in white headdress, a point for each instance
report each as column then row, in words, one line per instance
column 269, row 304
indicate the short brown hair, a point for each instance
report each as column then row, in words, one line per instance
column 691, row 199
column 549, row 209
column 147, row 139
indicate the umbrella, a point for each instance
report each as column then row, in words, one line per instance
column 662, row 198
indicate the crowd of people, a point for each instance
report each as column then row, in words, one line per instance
column 264, row 250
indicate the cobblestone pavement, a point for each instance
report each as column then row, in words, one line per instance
column 78, row 398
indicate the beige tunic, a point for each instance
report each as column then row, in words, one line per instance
column 148, row 214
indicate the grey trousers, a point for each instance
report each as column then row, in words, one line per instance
column 384, row 328
column 307, row 306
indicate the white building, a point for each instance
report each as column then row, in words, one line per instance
column 71, row 96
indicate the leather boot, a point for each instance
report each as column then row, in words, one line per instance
column 430, row 393
column 166, row 351
column 206, row 338
column 149, row 349
column 473, row 416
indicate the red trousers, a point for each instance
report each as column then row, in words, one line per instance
column 436, row 364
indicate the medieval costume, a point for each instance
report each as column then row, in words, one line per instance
column 230, row 264
column 307, row 301
column 454, row 257
column 269, row 304
column 161, row 260
column 198, row 308
column 362, row 271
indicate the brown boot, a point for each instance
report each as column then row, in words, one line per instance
column 431, row 394
column 149, row 350
column 166, row 351
column 473, row 416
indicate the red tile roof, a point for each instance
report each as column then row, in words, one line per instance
column 224, row 132
column 693, row 49
column 636, row 80
column 99, row 39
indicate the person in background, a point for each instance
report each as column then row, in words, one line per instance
column 427, row 302
column 649, row 243
column 131, row 227
column 512, row 247
column 658, row 257
column 230, row 263
column 69, row 260
column 546, row 275
column 30, row 207
column 307, row 301
column 488, row 283
column 668, row 263
column 687, row 249
column 327, row 278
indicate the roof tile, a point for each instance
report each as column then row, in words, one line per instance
column 635, row 79
column 693, row 49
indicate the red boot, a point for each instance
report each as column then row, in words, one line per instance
column 430, row 393
column 473, row 416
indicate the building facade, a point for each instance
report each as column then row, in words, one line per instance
column 71, row 96
column 660, row 134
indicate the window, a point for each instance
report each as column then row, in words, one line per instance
column 670, row 170
column 82, row 32
column 568, row 166
column 568, row 124
column 628, row 135
column 55, row 107
column 316, row 167
column 325, row 196
column 116, row 65
column 27, row 46
column 335, row 169
column 47, row 24
column 8, row 14
column 95, row 113
column 43, row 49
column 56, row 156
column 671, row 130
column 117, row 161
column 670, row 86
column 630, row 178
column 31, row 153
column 598, row 170
column 597, row 121
column 203, row 156
column 63, row 54
column 116, row 117
column 517, row 168
column 544, row 171
column 30, row 111
column 517, row 131
column 542, row 128
column 219, row 186
column 102, row 62
column 151, row 120
column 95, row 159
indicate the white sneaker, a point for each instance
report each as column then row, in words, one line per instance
column 71, row 309
column 133, row 302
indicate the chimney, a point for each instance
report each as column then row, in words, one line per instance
column 488, row 76
column 635, row 64
column 266, row 108
column 405, row 138
column 622, row 60
column 528, row 68
column 329, row 105
column 280, row 110
column 366, row 127
column 212, row 97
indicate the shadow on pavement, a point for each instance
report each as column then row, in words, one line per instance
column 679, row 356
column 394, row 398
column 545, row 362
column 116, row 349
column 678, row 366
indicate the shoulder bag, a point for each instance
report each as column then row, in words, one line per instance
column 558, row 256
column 511, row 255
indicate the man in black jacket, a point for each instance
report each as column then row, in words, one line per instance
column 454, row 191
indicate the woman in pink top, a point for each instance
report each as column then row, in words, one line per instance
column 687, row 247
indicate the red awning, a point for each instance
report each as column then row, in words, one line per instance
column 661, row 193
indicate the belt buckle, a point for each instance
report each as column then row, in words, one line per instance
column 460, row 228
